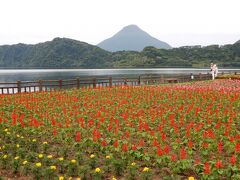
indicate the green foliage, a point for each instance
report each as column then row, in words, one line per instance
column 68, row 53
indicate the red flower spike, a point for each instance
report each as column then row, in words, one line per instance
column 125, row 147
column 183, row 153
column 115, row 144
column 219, row 164
column 233, row 160
column 104, row 143
column 78, row 136
column 173, row 157
column 207, row 168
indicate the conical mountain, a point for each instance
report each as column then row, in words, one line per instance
column 131, row 38
column 238, row 42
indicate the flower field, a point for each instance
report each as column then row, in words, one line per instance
column 177, row 131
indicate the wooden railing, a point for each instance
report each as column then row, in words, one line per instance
column 93, row 82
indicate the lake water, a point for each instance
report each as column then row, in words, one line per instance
column 12, row 75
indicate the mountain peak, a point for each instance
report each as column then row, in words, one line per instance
column 131, row 37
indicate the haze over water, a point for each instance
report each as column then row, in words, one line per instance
column 12, row 75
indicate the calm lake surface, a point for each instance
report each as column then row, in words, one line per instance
column 12, row 75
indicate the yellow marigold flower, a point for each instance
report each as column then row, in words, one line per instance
column 133, row 164
column 113, row 178
column 97, row 170
column 5, row 156
column 45, row 142
column 16, row 158
column 6, row 130
column 53, row 167
column 49, row 156
column 61, row 159
column 73, row 161
column 61, row 178
column 38, row 164
column 146, row 169
column 191, row 178
column 25, row 162
column 108, row 157
column 92, row 156
column 17, row 145
column 40, row 156
column 22, row 137
column 18, row 135
column 78, row 178
column 34, row 140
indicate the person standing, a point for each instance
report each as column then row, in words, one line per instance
column 212, row 71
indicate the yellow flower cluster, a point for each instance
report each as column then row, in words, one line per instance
column 97, row 170
column 25, row 162
column 38, row 164
column 191, row 178
column 146, row 169
column 49, row 156
column 92, row 156
column 73, row 161
column 45, row 142
column 53, row 167
column 16, row 158
column 133, row 164
column 61, row 159
column 108, row 157
column 40, row 156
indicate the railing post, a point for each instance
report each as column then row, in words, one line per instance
column 235, row 73
column 139, row 80
column 94, row 82
column 60, row 84
column 40, row 85
column 19, row 86
column 110, row 82
column 162, row 79
column 200, row 76
column 78, row 83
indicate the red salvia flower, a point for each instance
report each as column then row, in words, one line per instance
column 207, row 168
column 183, row 153
column 166, row 149
column 125, row 147
column 159, row 151
column 219, row 164
column 173, row 157
column 190, row 144
column 220, row 147
column 115, row 144
column 134, row 147
column 54, row 131
column 78, row 136
column 104, row 143
column 233, row 159
column 237, row 148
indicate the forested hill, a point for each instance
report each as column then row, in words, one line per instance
column 68, row 53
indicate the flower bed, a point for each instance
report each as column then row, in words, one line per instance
column 229, row 76
column 149, row 132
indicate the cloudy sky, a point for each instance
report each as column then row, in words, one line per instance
column 177, row 22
